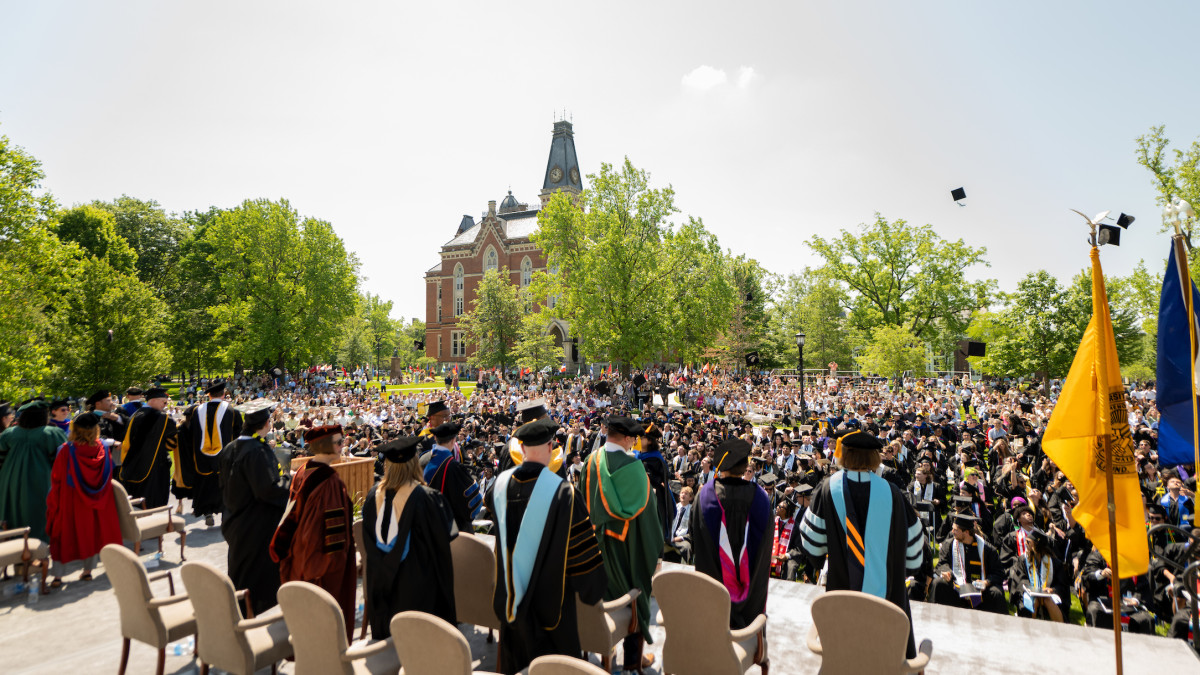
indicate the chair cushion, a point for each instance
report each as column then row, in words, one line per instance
column 11, row 550
column 269, row 643
column 179, row 618
column 154, row 526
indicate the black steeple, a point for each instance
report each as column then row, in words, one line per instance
column 467, row 223
column 562, row 169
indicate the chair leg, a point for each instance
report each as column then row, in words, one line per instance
column 765, row 666
column 203, row 668
column 274, row 669
column 160, row 544
column 162, row 661
column 124, row 656
column 137, row 548
column 182, row 544
column 490, row 638
column 606, row 662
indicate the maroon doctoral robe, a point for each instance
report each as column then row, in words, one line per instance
column 314, row 542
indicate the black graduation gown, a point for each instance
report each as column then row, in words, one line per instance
column 422, row 580
column 738, row 497
column 255, row 495
column 453, row 480
column 656, row 469
column 568, row 564
column 200, row 472
column 823, row 537
column 989, row 568
column 145, row 470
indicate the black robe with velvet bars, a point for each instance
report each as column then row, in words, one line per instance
column 199, row 470
column 742, row 501
column 145, row 469
column 568, row 563
column 823, row 536
column 418, row 573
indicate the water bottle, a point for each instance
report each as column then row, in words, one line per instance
column 32, row 597
column 15, row 589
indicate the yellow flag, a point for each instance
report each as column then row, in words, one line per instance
column 1090, row 408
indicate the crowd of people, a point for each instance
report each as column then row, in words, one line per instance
column 921, row 490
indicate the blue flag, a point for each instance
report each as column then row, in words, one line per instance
column 1176, row 384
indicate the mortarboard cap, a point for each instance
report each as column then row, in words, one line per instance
column 803, row 491
column 5, row 408
column 34, row 404
column 86, row 420
column 688, row 474
column 961, row 502
column 216, row 388
column 60, row 403
column 1125, row 220
column 652, row 431
column 156, row 392
column 625, row 426
column 436, row 407
column 400, row 450
column 958, row 194
column 537, row 432
column 1108, row 234
column 446, row 430
column 98, row 395
column 256, row 412
column 965, row 521
column 528, row 411
column 767, row 480
column 134, row 391
column 731, row 453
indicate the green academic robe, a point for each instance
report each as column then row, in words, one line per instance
column 25, row 476
column 625, row 517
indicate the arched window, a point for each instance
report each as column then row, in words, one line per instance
column 458, row 289
column 490, row 260
column 526, row 272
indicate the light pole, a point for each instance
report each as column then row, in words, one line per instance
column 803, row 403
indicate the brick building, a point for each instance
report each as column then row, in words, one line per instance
column 501, row 239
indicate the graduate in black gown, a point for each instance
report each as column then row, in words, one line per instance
column 650, row 455
column 967, row 561
column 446, row 474
column 407, row 529
column 208, row 428
column 886, row 545
column 255, row 495
column 536, row 589
column 742, row 510
column 145, row 469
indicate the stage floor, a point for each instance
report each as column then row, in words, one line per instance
column 966, row 641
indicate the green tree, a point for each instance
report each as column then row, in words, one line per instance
column 96, row 233
column 906, row 275
column 701, row 298
column 86, row 355
column 286, row 284
column 38, row 273
column 381, row 329
column 493, row 322
column 535, row 348
column 813, row 302
column 154, row 235
column 892, row 351
column 195, row 344
column 613, row 278
column 1031, row 333
column 1176, row 175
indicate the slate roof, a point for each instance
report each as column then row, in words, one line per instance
column 516, row 226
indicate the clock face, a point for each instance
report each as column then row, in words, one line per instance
column 556, row 175
column 574, row 175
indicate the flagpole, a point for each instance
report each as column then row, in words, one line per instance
column 1114, row 562
column 1115, row 581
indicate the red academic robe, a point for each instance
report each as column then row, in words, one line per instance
column 315, row 540
column 81, row 515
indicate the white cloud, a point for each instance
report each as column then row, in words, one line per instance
column 704, row 78
column 746, row 75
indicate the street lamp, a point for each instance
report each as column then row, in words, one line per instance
column 803, row 403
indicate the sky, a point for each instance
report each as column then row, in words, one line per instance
column 773, row 121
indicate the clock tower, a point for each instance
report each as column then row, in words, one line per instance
column 562, row 169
